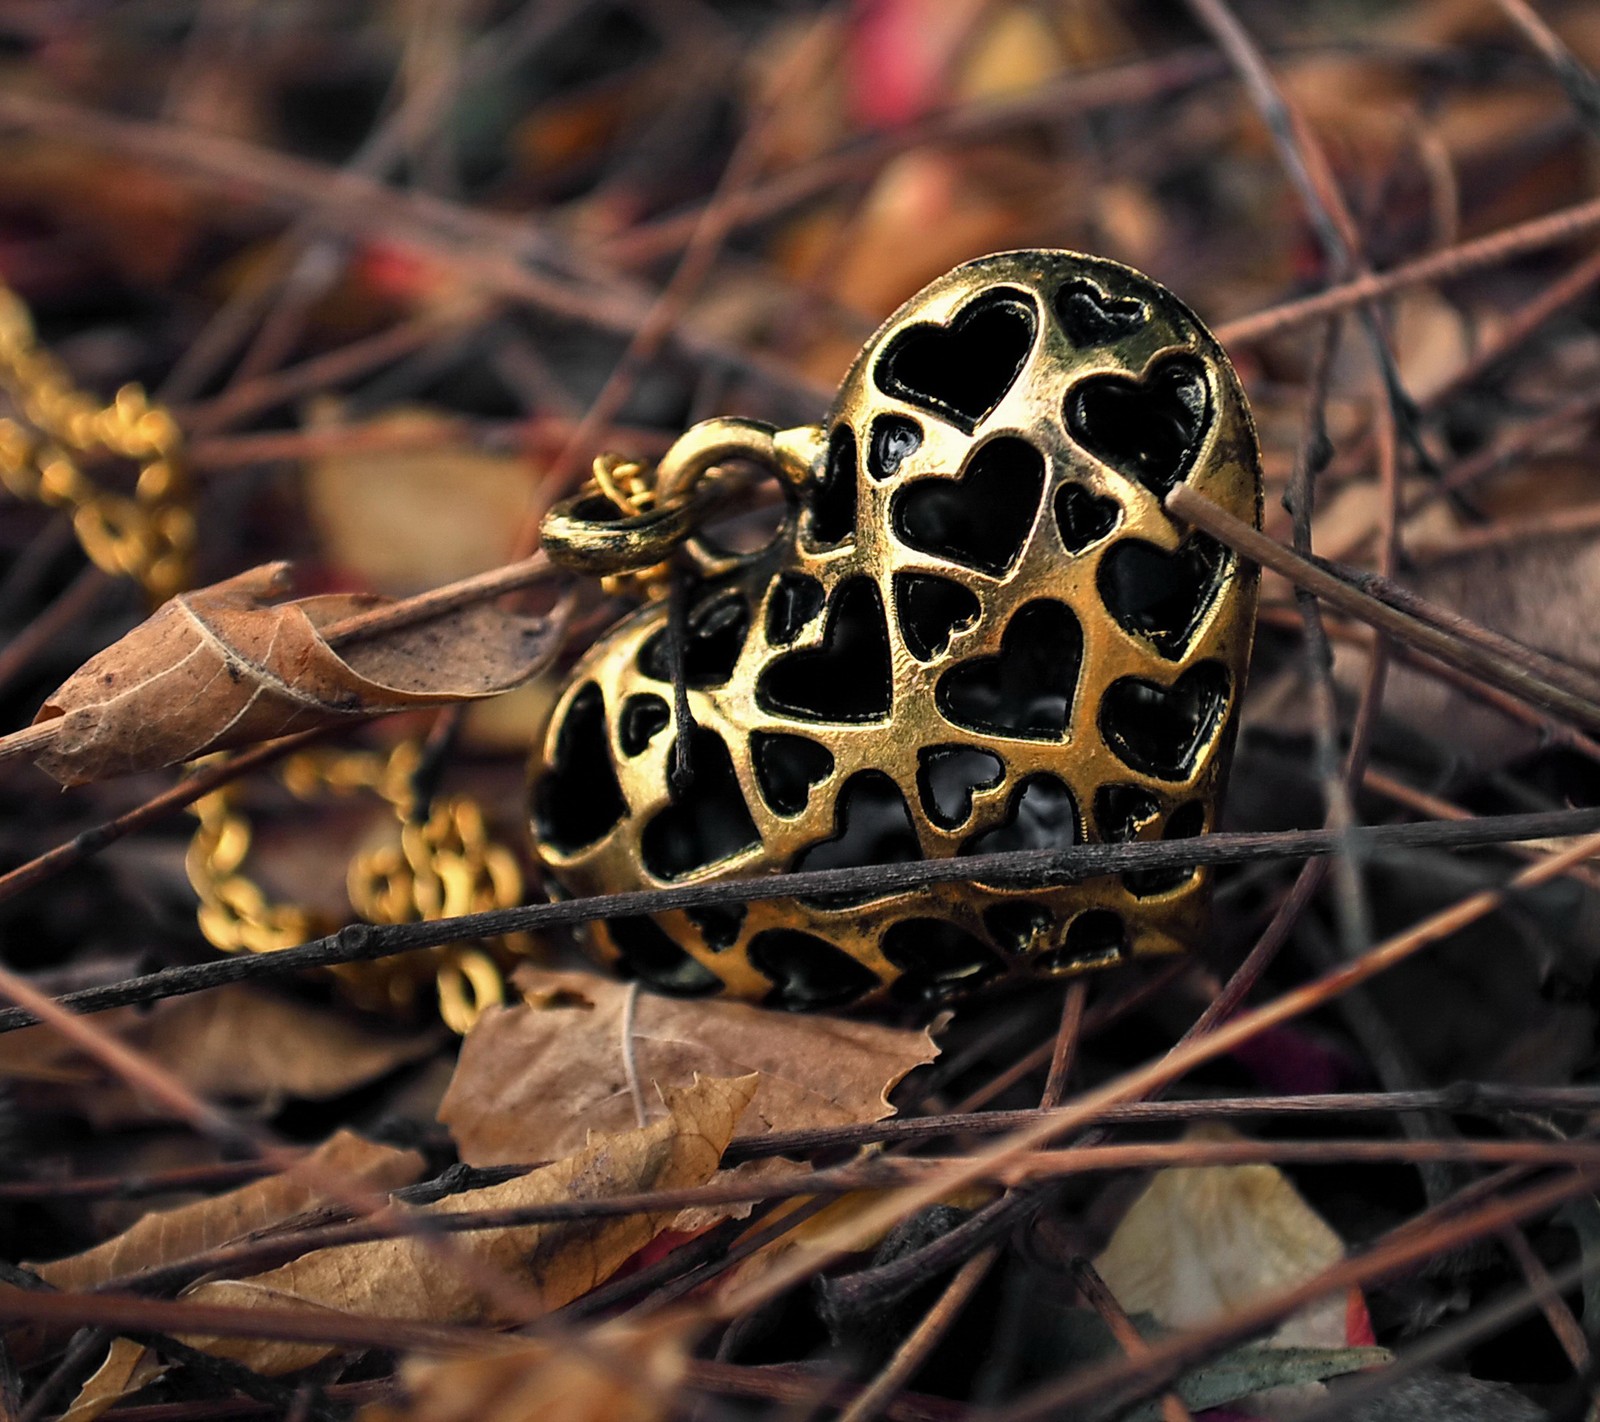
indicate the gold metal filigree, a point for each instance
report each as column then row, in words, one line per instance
column 976, row 631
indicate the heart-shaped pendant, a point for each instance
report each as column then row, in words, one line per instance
column 976, row 631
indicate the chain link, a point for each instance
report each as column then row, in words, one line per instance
column 444, row 862
column 438, row 866
column 148, row 536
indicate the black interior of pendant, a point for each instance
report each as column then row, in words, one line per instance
column 1091, row 317
column 644, row 716
column 981, row 519
column 832, row 500
column 714, row 635
column 787, row 767
column 930, row 610
column 795, row 600
column 894, row 439
column 947, row 776
column 649, row 954
column 579, row 801
column 1185, row 822
column 961, row 371
column 872, row 825
column 847, row 678
column 707, row 823
column 719, row 924
column 1084, row 518
column 1159, row 595
column 1094, row 938
column 1027, row 689
column 1041, row 814
column 1161, row 730
column 1146, row 429
column 808, row 972
column 938, row 960
column 1019, row 926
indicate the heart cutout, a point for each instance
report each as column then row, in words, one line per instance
column 1041, row 815
column 947, row 776
column 930, row 611
column 893, row 441
column 1091, row 318
column 578, row 801
column 847, row 678
column 937, row 959
column 1161, row 730
column 980, row 519
column 1026, row 691
column 707, row 822
column 1082, row 518
column 714, row 635
column 1149, row 429
column 961, row 371
column 808, row 972
column 872, row 825
column 1160, row 596
column 787, row 767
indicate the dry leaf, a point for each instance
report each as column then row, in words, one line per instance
column 619, row 1372
column 1201, row 1241
column 404, row 1278
column 128, row 1367
column 220, row 667
column 401, row 520
column 534, row 1079
column 167, row 1235
column 237, row 1044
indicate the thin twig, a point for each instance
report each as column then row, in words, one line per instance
column 1532, row 677
column 363, row 942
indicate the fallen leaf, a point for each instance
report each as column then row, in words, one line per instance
column 128, row 1368
column 536, row 1078
column 619, row 1372
column 237, row 1044
column 1201, row 1241
column 167, row 1235
column 401, row 520
column 164, row 1236
column 221, row 667
column 404, row 1278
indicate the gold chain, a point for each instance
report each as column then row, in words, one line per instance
column 149, row 536
column 444, row 862
column 440, row 866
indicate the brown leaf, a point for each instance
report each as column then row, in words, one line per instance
column 619, row 1372
column 404, row 1278
column 237, row 1044
column 1203, row 1240
column 533, row 1080
column 221, row 667
column 167, row 1235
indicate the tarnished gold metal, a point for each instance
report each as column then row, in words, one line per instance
column 442, row 863
column 148, row 535
column 976, row 631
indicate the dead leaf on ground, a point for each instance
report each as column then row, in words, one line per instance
column 404, row 1278
column 535, row 1079
column 619, row 1372
column 222, row 667
column 1203, row 1241
column 237, row 1044
column 402, row 520
column 167, row 1235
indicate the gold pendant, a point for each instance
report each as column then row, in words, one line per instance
column 976, row 631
